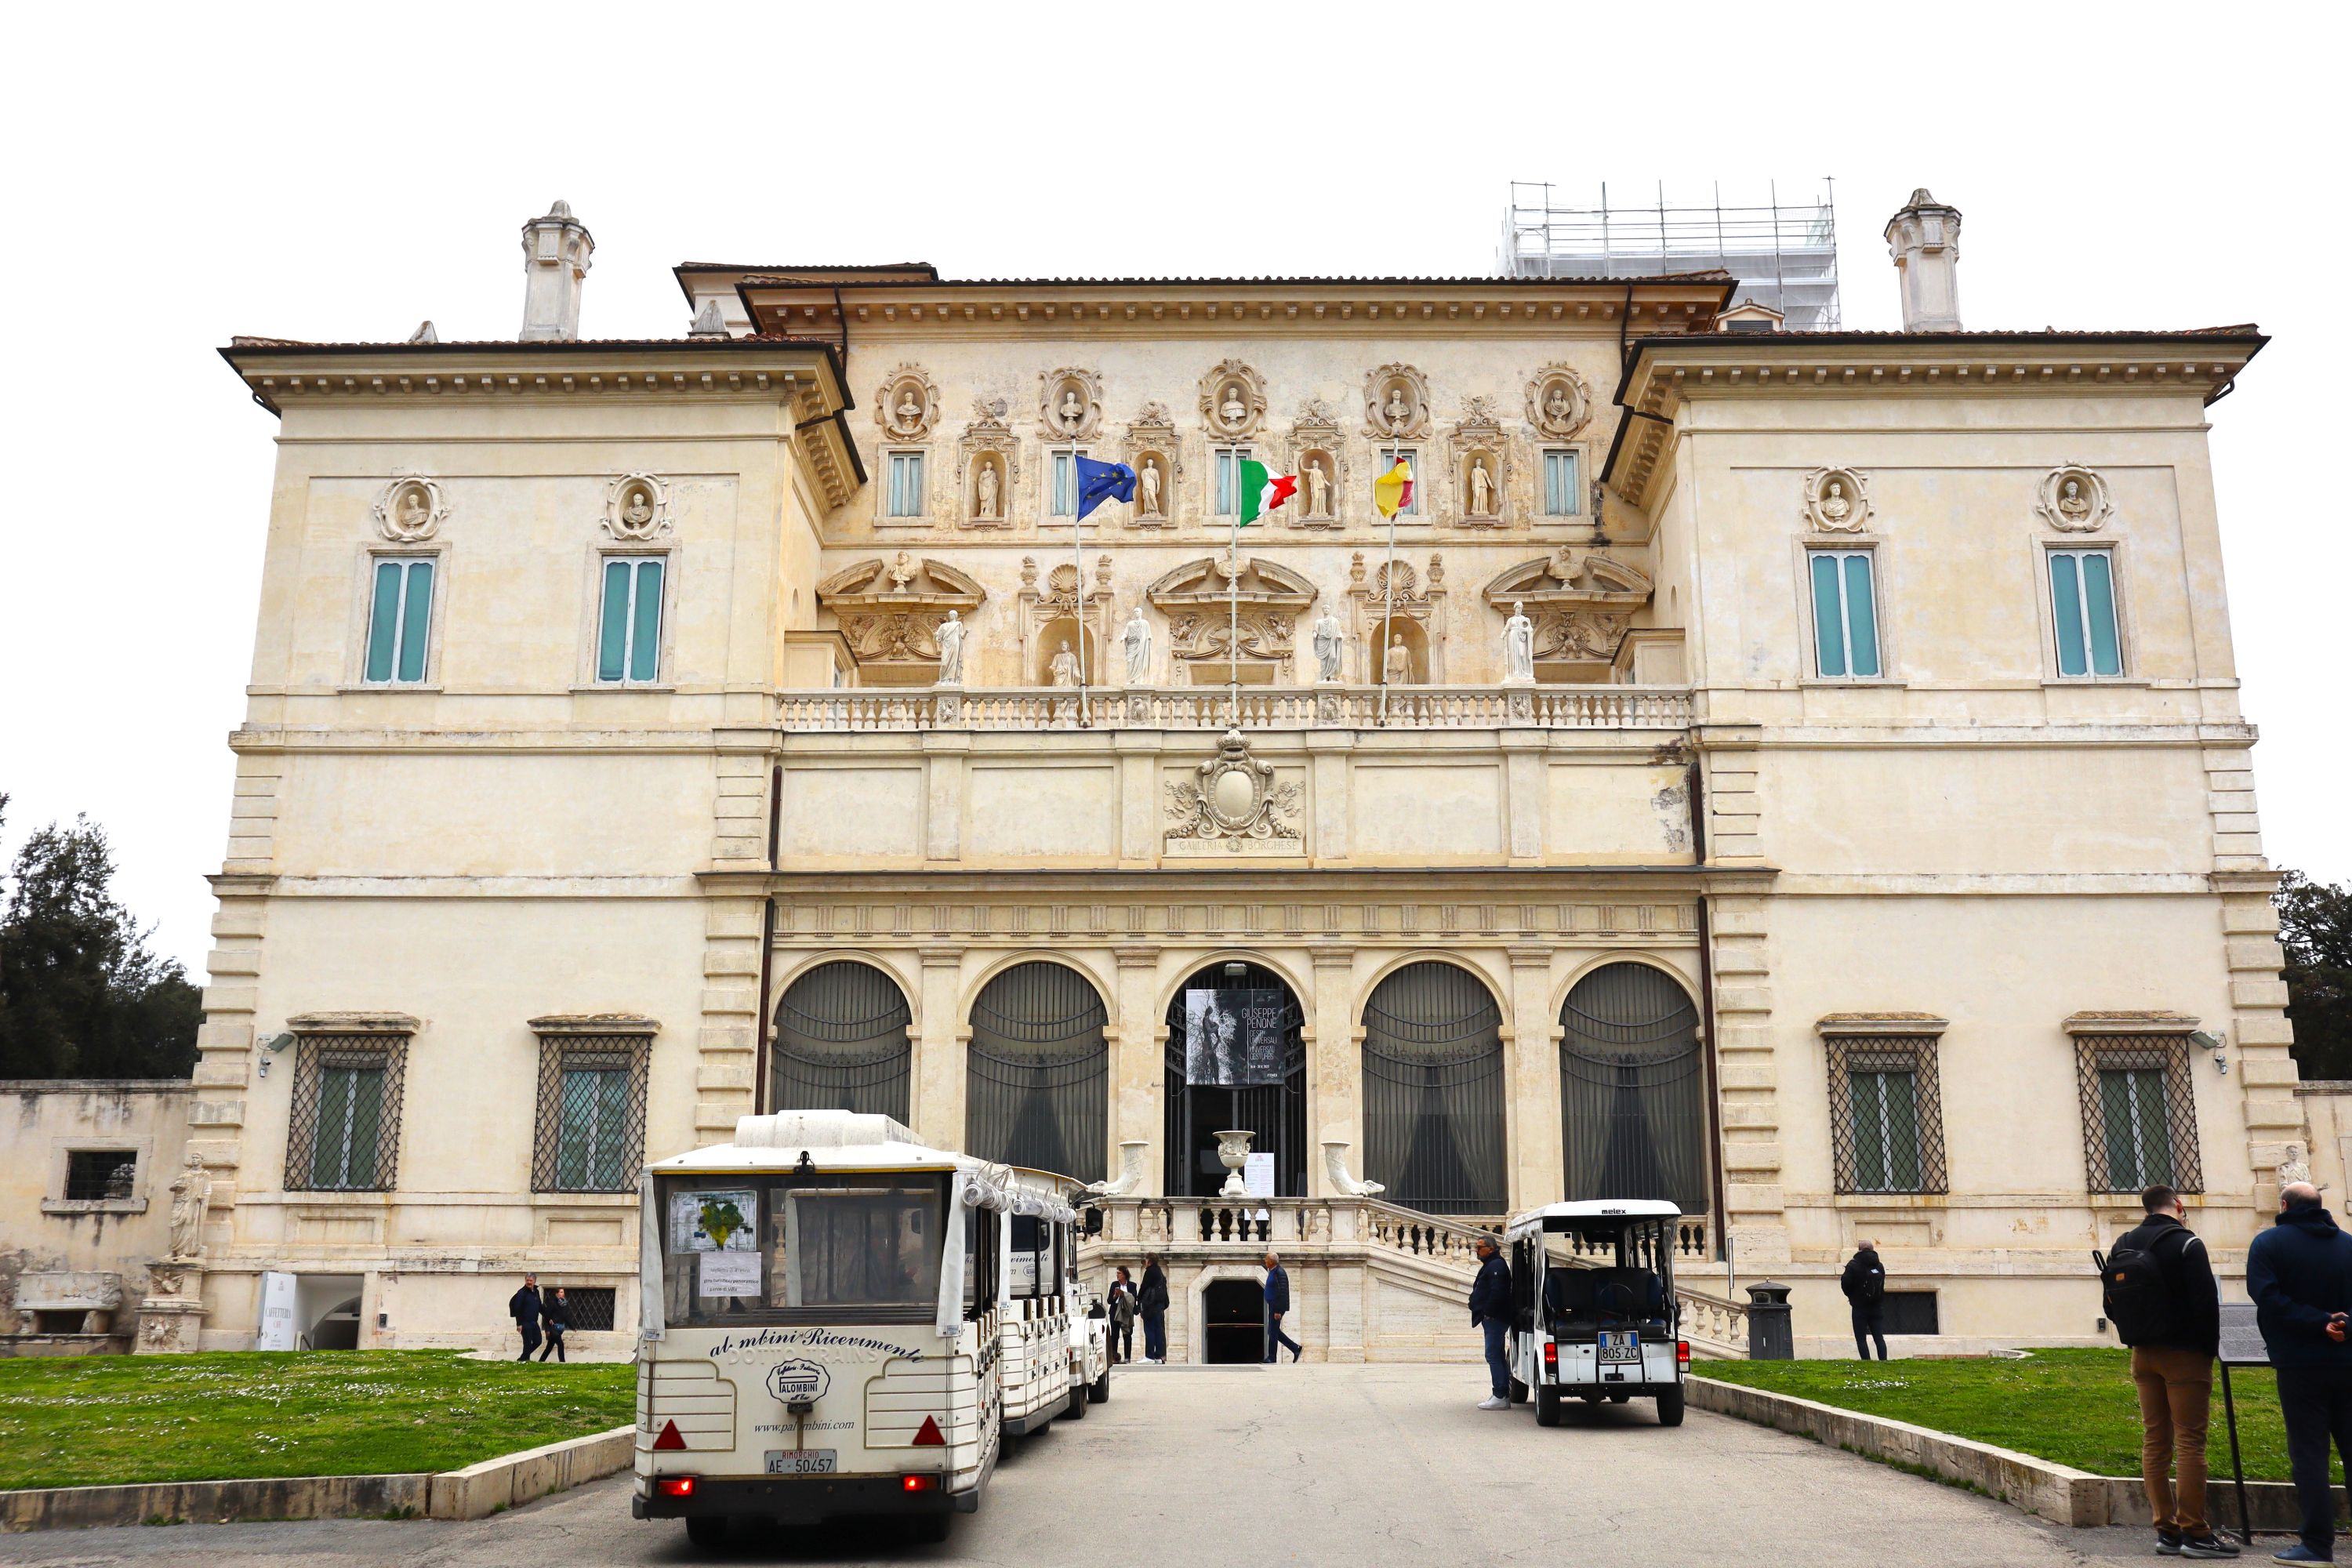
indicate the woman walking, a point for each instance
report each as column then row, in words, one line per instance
column 1151, row 1300
column 557, row 1315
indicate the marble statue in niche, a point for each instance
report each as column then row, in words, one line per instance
column 1518, row 646
column 1148, row 482
column 1835, row 508
column 1482, row 489
column 1137, row 642
column 1329, row 641
column 988, row 492
column 1233, row 411
column 1064, row 671
column 1318, row 491
column 950, row 637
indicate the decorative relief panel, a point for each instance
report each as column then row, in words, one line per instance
column 411, row 509
column 1318, row 456
column 1232, row 803
column 1233, row 401
column 1481, row 467
column 1198, row 600
column 908, row 405
column 637, row 508
column 1069, row 403
column 2074, row 499
column 989, row 464
column 890, row 610
column 1837, row 500
column 1559, row 403
column 1153, row 452
column 1581, row 602
column 1396, row 403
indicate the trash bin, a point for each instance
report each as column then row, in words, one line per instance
column 1769, row 1338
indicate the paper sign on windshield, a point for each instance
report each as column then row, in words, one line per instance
column 729, row 1274
column 715, row 1221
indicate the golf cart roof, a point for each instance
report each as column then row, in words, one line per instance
column 1592, row 1214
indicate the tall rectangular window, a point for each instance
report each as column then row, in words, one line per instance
column 1389, row 456
column 344, row 1134
column 2082, row 612
column 400, row 620
column 1846, row 616
column 2139, row 1117
column 1561, row 497
column 1227, row 475
column 591, row 1130
column 2138, row 1149
column 906, row 484
column 628, row 638
column 1886, row 1128
column 1064, row 486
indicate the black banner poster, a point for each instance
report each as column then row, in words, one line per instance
column 1232, row 1040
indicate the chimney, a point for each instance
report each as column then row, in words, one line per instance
column 1924, row 239
column 555, row 251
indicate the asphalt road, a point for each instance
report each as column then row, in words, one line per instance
column 1310, row 1464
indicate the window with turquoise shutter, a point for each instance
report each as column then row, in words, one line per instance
column 906, row 484
column 1390, row 458
column 628, row 636
column 2139, row 1152
column 2082, row 612
column 1560, row 490
column 1846, row 616
column 400, row 620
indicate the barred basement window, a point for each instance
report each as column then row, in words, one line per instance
column 1886, row 1116
column 590, row 1307
column 590, row 1128
column 99, row 1175
column 345, row 1135
column 2139, row 1117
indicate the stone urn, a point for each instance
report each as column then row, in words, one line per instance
column 1233, row 1150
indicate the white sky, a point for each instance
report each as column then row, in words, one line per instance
column 178, row 176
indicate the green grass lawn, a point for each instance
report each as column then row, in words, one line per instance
column 105, row 1420
column 2075, row 1407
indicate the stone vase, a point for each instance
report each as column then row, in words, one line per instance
column 1233, row 1152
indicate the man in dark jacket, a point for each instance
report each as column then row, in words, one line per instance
column 1490, row 1308
column 2174, row 1335
column 1152, row 1305
column 523, row 1307
column 1277, row 1302
column 1864, row 1284
column 2299, row 1273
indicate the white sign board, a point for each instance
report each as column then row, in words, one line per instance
column 1257, row 1176
column 723, row 1220
column 276, row 1313
column 729, row 1274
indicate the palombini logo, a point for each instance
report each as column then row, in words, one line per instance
column 794, row 1380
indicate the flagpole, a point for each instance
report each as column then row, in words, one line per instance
column 1079, row 561
column 1233, row 631
column 1387, row 615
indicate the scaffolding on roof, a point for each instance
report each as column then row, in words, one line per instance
column 1784, row 253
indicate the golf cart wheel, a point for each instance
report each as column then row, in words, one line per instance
column 929, row 1529
column 708, row 1530
column 1518, row 1392
column 1098, row 1391
column 1670, row 1407
column 1546, row 1407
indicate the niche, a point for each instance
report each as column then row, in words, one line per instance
column 1412, row 643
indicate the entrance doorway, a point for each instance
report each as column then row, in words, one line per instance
column 1260, row 1049
column 1232, row 1322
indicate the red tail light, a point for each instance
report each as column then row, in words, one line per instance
column 1682, row 1353
column 919, row 1483
column 674, row 1485
column 669, row 1437
column 1551, row 1356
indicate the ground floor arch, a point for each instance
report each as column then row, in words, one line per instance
column 841, row 1042
column 1037, row 1084
column 1235, row 1057
column 1432, row 1090
column 1634, row 1121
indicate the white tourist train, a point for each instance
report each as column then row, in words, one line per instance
column 1594, row 1314
column 841, row 1320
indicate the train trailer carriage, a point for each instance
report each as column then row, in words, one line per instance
column 1593, row 1311
column 831, row 1320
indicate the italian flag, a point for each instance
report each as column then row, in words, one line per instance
column 1263, row 489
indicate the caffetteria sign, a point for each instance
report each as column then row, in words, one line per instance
column 794, row 1380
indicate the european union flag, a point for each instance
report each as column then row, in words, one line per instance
column 1099, row 482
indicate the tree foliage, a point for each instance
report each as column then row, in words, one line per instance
column 2316, row 928
column 80, row 994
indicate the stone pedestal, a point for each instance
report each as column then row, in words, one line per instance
column 172, row 1316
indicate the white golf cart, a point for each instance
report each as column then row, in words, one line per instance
column 1592, row 1303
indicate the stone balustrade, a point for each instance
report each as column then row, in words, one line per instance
column 888, row 710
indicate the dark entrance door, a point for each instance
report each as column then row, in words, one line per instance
column 1232, row 1322
column 1196, row 1113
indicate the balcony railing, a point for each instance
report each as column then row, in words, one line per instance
column 888, row 709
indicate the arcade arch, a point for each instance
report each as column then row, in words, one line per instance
column 841, row 1042
column 1433, row 1088
column 1037, row 1071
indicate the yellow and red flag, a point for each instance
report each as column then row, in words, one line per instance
column 1392, row 492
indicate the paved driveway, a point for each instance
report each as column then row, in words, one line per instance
column 1321, row 1465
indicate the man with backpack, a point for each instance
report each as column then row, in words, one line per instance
column 1864, row 1284
column 2165, row 1303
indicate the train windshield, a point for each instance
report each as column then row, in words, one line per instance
column 854, row 1247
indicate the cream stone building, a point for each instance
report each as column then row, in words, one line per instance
column 1799, row 775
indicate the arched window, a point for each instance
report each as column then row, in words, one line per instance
column 840, row 1043
column 1037, row 1079
column 1434, row 1092
column 1236, row 1057
column 1633, row 1089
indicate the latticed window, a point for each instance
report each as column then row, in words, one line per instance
column 345, row 1132
column 2139, row 1118
column 1434, row 1090
column 1887, row 1114
column 590, row 1136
